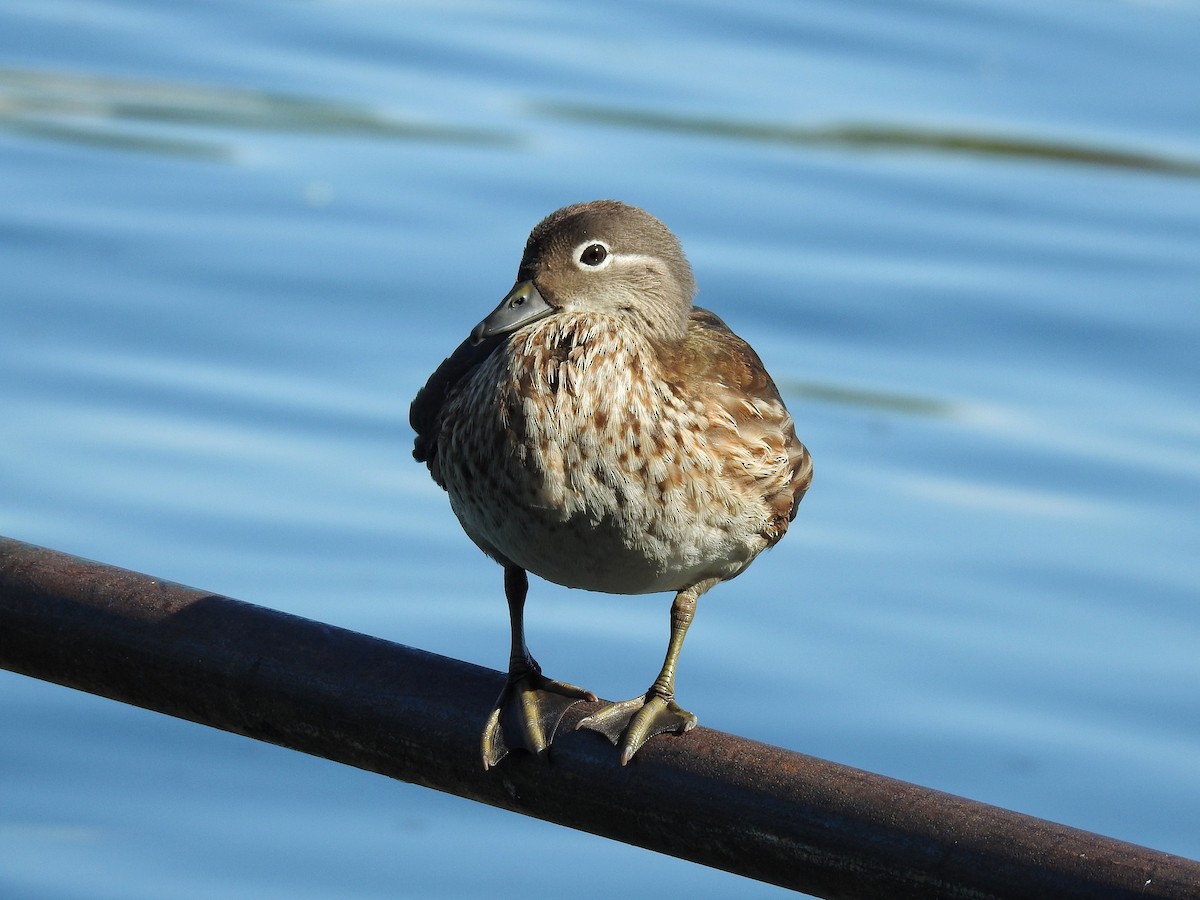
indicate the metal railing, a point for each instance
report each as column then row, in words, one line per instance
column 710, row 797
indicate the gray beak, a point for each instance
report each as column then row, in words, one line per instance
column 522, row 305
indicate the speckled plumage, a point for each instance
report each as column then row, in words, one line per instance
column 623, row 440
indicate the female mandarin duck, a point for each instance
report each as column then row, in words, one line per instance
column 600, row 431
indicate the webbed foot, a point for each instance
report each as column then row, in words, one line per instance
column 527, row 714
column 630, row 723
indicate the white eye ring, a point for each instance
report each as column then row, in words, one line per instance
column 595, row 250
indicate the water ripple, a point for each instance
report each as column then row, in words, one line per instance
column 874, row 136
column 126, row 114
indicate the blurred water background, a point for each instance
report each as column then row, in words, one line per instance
column 964, row 236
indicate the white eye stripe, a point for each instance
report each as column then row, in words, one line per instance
column 635, row 257
column 610, row 257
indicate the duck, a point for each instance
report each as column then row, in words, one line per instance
column 601, row 431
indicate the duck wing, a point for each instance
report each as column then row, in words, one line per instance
column 426, row 411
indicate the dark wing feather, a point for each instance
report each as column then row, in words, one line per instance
column 425, row 413
column 754, row 402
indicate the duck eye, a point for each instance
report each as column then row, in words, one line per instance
column 593, row 254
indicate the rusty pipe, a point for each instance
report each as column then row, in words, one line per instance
column 710, row 797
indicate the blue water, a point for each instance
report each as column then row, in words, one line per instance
column 965, row 237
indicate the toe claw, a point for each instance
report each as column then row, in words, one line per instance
column 494, row 748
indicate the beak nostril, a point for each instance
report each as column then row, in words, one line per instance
column 521, row 306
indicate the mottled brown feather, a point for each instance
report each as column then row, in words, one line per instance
column 712, row 353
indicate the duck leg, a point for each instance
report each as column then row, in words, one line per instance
column 530, row 706
column 630, row 723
